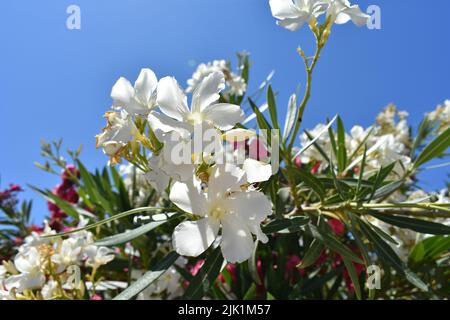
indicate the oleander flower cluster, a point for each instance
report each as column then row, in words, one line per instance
column 293, row 14
column 387, row 141
column 48, row 269
column 203, row 182
column 235, row 84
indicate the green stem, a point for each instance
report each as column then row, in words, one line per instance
column 429, row 210
column 321, row 39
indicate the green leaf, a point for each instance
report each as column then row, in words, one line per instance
column 65, row 206
column 353, row 276
column 418, row 225
column 434, row 149
column 361, row 144
column 378, row 179
column 148, row 278
column 334, row 244
column 312, row 254
column 361, row 172
column 291, row 115
column 315, row 283
column 251, row 293
column 317, row 146
column 205, row 277
column 121, row 189
column 252, row 265
column 430, row 249
column 285, row 225
column 425, row 129
column 313, row 140
column 384, row 235
column 310, row 180
column 272, row 107
column 387, row 254
column 388, row 189
column 92, row 188
column 341, row 148
column 129, row 235
column 102, row 222
column 333, row 141
column 262, row 121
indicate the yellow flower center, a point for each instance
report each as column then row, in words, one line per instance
column 195, row 118
column 217, row 212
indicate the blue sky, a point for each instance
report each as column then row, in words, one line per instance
column 55, row 82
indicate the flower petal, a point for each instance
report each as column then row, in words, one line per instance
column 257, row 171
column 224, row 115
column 292, row 24
column 237, row 242
column 282, row 9
column 208, row 91
column 122, row 92
column 189, row 197
column 239, row 203
column 192, row 238
column 145, row 85
column 162, row 124
column 171, row 99
column 223, row 179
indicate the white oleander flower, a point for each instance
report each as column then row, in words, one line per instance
column 119, row 131
column 135, row 180
column 28, row 263
column 293, row 14
column 441, row 116
column 49, row 290
column 179, row 128
column 204, row 107
column 68, row 253
column 341, row 11
column 312, row 153
column 35, row 239
column 98, row 256
column 137, row 100
column 203, row 70
column 389, row 151
column 236, row 84
column 224, row 204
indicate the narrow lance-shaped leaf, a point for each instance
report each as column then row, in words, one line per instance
column 65, row 206
column 148, row 278
column 418, row 225
column 205, row 277
column 334, row 244
column 353, row 276
column 291, row 115
column 312, row 254
column 129, row 235
column 309, row 180
column 342, row 150
column 252, row 265
column 434, row 149
column 387, row 254
column 272, row 107
column 313, row 140
column 102, row 222
column 286, row 225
